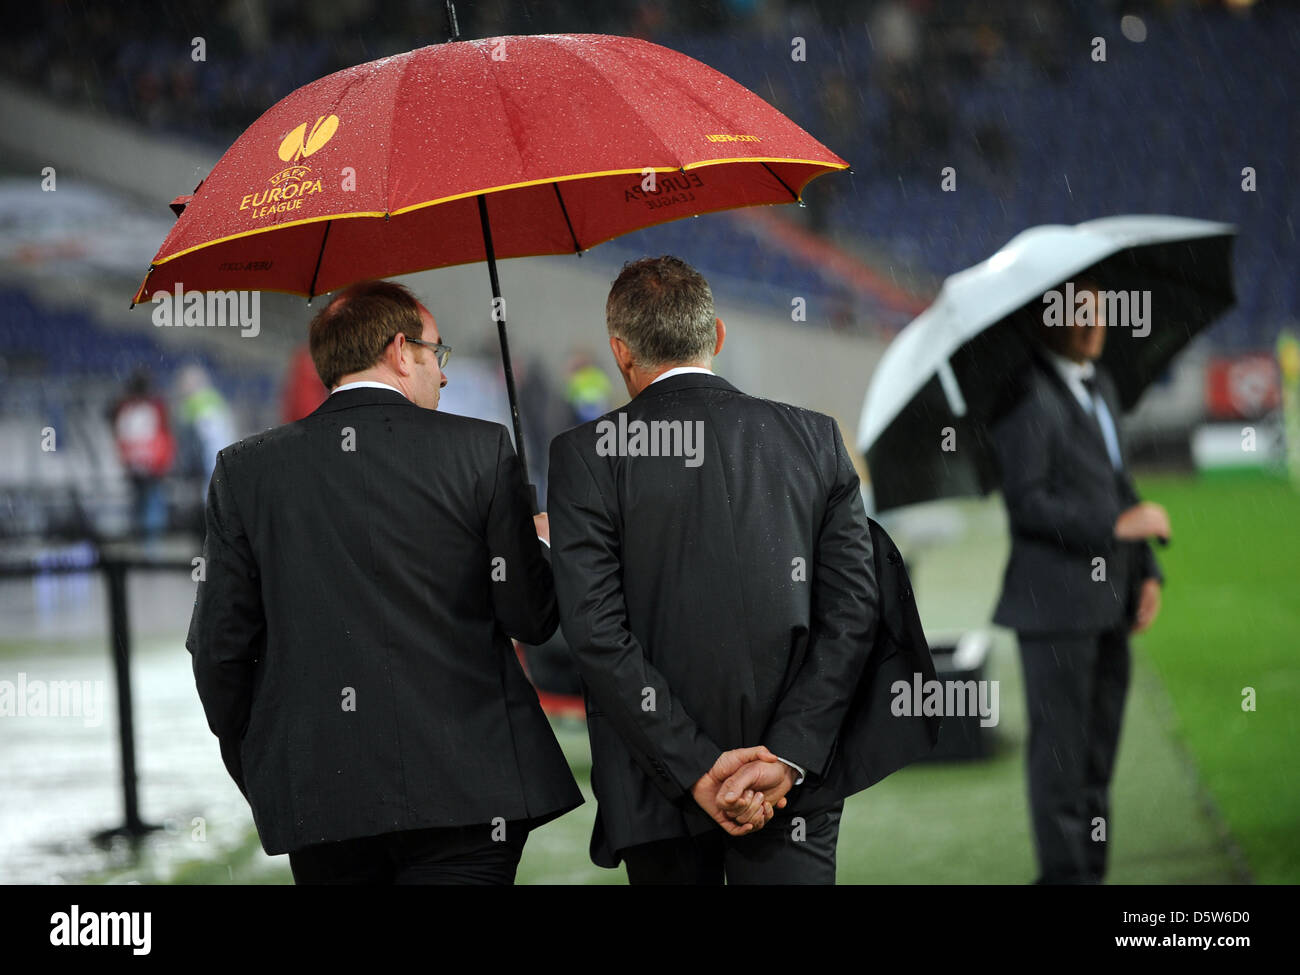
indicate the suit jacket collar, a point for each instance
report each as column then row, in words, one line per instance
column 689, row 380
column 363, row 396
column 1072, row 404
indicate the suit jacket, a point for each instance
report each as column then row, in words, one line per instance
column 721, row 605
column 1063, row 496
column 366, row 568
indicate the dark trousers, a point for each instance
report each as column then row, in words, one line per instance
column 794, row 848
column 1075, row 685
column 440, row 855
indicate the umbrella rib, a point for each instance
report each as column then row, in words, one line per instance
column 311, row 292
column 793, row 195
column 686, row 91
column 567, row 222
column 577, row 54
column 392, row 143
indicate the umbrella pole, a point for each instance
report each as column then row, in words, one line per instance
column 498, row 313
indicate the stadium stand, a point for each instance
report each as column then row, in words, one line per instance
column 79, row 488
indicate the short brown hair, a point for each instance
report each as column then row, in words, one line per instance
column 351, row 332
column 663, row 309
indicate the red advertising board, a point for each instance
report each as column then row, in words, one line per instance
column 1242, row 387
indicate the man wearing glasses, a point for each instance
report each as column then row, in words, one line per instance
column 364, row 571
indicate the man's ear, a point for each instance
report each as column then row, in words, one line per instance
column 722, row 335
column 622, row 354
column 396, row 352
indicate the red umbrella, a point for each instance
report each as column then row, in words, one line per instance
column 473, row 150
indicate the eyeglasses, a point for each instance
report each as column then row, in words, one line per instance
column 443, row 352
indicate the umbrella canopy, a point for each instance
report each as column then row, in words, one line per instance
column 473, row 150
column 571, row 139
column 954, row 365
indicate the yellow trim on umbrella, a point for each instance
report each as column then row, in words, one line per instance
column 478, row 260
column 714, row 162
column 614, row 172
column 495, row 189
column 265, row 230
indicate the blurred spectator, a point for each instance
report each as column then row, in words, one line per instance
column 147, row 448
column 206, row 421
column 544, row 414
column 895, row 31
column 587, row 390
column 907, row 71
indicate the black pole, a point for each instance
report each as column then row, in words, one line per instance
column 498, row 313
column 315, row 275
column 115, row 578
column 115, row 569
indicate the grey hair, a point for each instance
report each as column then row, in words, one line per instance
column 663, row 309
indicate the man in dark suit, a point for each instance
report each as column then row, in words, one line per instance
column 364, row 570
column 1080, row 577
column 718, row 586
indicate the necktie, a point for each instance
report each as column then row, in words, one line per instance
column 1105, row 422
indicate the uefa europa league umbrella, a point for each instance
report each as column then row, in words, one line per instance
column 473, row 150
column 951, row 365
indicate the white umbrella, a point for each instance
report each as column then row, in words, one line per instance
column 945, row 365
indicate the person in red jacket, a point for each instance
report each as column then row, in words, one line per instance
column 147, row 449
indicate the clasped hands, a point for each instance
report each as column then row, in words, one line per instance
column 743, row 790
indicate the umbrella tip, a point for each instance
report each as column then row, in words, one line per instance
column 453, row 28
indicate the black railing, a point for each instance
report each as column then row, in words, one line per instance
column 114, row 562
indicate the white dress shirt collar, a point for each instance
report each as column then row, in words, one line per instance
column 1074, row 373
column 366, row 384
column 682, row 371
